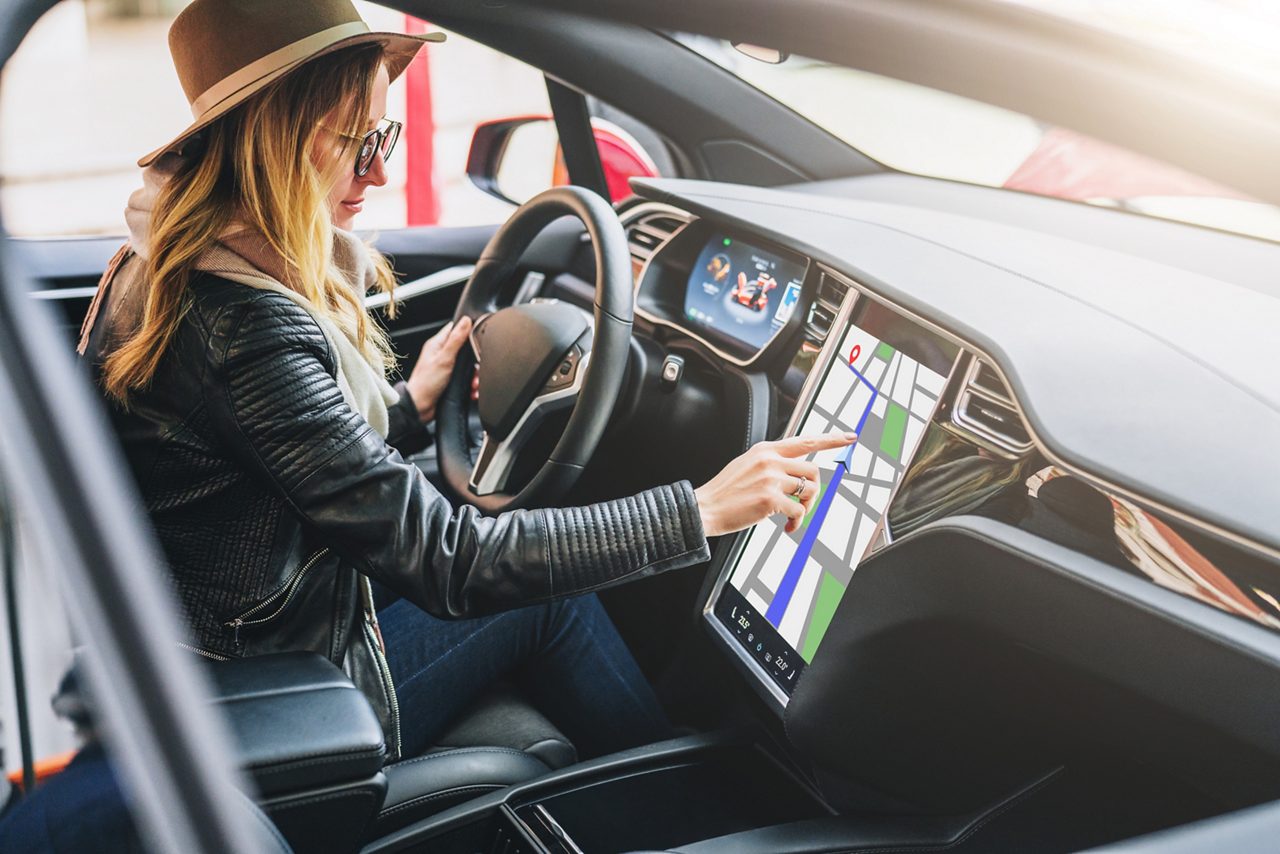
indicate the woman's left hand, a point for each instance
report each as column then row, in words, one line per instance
column 434, row 366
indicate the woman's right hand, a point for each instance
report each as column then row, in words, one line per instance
column 764, row 481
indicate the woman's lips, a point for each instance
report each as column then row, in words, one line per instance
column 354, row 206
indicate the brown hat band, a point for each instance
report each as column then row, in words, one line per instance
column 274, row 61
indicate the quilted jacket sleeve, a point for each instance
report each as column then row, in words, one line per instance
column 270, row 390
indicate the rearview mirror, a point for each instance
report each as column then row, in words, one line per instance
column 770, row 55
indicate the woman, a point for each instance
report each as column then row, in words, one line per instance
column 247, row 385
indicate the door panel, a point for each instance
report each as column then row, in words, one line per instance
column 65, row 271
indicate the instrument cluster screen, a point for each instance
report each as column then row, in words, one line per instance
column 742, row 292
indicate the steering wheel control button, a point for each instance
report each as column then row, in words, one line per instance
column 672, row 371
column 520, row 346
column 566, row 372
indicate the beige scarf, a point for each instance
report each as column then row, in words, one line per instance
column 243, row 256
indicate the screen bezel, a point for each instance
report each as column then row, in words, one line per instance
column 729, row 551
column 664, row 278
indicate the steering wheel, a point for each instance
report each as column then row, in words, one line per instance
column 536, row 359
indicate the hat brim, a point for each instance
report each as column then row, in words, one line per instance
column 400, row 51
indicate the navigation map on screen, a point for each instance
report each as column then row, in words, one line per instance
column 796, row 580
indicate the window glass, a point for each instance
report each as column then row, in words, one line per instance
column 917, row 129
column 92, row 88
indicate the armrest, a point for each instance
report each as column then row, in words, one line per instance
column 299, row 722
column 426, row 785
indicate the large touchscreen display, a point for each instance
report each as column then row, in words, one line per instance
column 742, row 292
column 882, row 379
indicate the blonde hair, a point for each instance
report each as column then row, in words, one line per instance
column 255, row 167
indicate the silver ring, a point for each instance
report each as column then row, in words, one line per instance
column 800, row 487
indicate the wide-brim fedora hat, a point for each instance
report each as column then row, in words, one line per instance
column 227, row 50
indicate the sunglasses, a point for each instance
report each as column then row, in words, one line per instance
column 379, row 139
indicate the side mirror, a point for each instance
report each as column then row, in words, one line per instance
column 515, row 159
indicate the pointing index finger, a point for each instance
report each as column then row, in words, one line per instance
column 799, row 446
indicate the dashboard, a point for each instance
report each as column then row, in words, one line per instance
column 944, row 435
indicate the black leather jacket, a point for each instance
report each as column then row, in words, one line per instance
column 274, row 501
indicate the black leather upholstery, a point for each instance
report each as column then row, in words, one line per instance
column 505, row 719
column 428, row 784
column 266, row 835
column 333, row 820
column 502, row 741
column 314, row 747
column 312, row 744
column 299, row 722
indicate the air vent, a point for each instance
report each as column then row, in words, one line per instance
column 649, row 226
column 819, row 322
column 667, row 224
column 822, row 314
column 644, row 239
column 987, row 380
column 986, row 411
column 832, row 292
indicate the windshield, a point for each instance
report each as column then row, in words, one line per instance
column 913, row 128
column 1242, row 35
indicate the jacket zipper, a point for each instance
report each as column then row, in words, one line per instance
column 384, row 670
column 203, row 652
column 283, row 595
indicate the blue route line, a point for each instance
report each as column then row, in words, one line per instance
column 787, row 588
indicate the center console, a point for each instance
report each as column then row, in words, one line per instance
column 655, row 798
column 717, row 793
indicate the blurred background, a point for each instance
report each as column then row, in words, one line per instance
column 92, row 89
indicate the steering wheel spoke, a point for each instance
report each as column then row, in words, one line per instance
column 496, row 461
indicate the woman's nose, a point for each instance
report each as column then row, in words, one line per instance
column 377, row 174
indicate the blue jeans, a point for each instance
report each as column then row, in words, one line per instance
column 566, row 657
column 80, row 809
